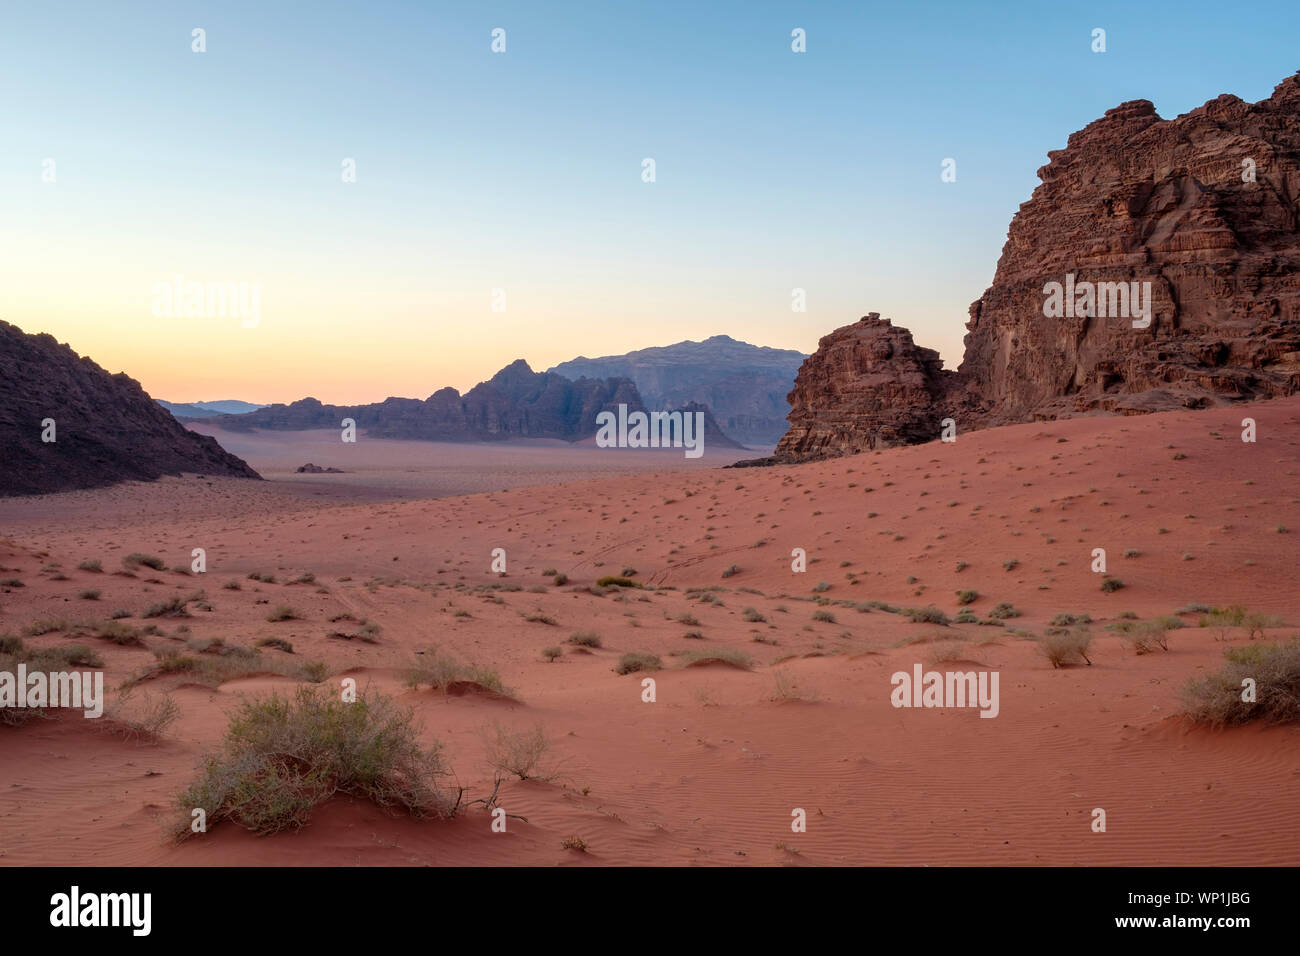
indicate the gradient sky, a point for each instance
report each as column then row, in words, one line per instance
column 522, row 171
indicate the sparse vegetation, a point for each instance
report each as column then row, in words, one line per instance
column 283, row 612
column 1110, row 585
column 517, row 752
column 631, row 663
column 1216, row 699
column 1068, row 647
column 281, row 757
column 724, row 655
column 91, row 565
column 967, row 597
column 585, row 639
column 133, row 562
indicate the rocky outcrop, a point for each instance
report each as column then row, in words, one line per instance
column 867, row 386
column 1202, row 211
column 744, row 385
column 1157, row 266
column 515, row 403
column 105, row 427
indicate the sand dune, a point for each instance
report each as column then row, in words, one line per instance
column 711, row 771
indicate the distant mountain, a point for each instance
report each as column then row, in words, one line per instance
column 227, row 406
column 515, row 403
column 105, row 427
column 744, row 385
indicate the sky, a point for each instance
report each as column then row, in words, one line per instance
column 500, row 207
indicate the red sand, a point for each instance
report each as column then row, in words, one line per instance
column 711, row 771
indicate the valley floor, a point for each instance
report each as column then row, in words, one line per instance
column 711, row 771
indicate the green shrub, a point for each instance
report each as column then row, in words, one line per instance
column 967, row 597
column 1109, row 584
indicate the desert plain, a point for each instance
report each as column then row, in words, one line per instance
column 774, row 691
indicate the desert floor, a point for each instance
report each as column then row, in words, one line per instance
column 710, row 772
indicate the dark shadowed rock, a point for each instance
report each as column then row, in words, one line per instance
column 107, row 429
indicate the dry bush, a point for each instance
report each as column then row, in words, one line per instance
column 1216, row 698
column 722, row 655
column 518, row 752
column 443, row 672
column 631, row 663
column 140, row 719
column 283, row 756
column 1068, row 647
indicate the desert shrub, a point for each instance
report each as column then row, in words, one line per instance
column 120, row 634
column 574, row 843
column 232, row 585
column 552, row 654
column 1066, row 647
column 283, row 756
column 561, row 580
column 1109, row 584
column 91, row 565
column 1004, row 610
column 631, row 663
column 279, row 643
column 724, row 655
column 965, row 616
column 752, row 616
column 616, row 582
column 517, row 752
column 694, row 635
column 141, row 718
column 967, row 597
column 731, row 571
column 549, row 573
column 1068, row 620
column 307, row 577
column 541, row 619
column 690, row 620
column 265, row 578
column 283, row 612
column 926, row 615
column 9, row 644
column 821, row 587
column 136, row 560
column 172, row 607
column 48, row 625
column 446, row 673
column 1011, row 565
column 90, row 594
column 365, row 630
column 1216, row 699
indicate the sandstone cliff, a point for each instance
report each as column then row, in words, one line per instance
column 1200, row 213
column 106, row 428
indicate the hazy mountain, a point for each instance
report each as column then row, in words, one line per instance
column 744, row 385
column 515, row 403
column 227, row 406
column 105, row 427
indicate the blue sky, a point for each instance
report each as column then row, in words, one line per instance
column 521, row 171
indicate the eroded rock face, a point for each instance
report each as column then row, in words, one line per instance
column 867, row 386
column 1134, row 198
column 106, row 428
column 1198, row 215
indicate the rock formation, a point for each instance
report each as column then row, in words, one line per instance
column 867, row 386
column 1198, row 215
column 744, row 385
column 106, row 429
column 515, row 403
